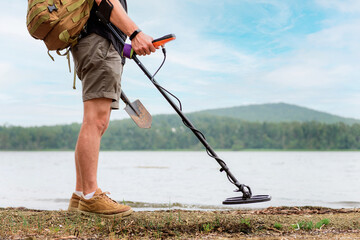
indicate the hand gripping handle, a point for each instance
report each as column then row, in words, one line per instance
column 128, row 51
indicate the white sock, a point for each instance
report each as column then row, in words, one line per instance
column 90, row 195
column 78, row 193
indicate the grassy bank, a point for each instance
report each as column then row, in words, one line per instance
column 271, row 223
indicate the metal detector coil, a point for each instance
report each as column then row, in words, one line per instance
column 247, row 197
column 242, row 200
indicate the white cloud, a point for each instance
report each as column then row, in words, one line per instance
column 17, row 28
column 210, row 56
column 346, row 6
column 276, row 16
column 343, row 37
column 5, row 70
column 328, row 58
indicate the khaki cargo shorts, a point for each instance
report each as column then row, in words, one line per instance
column 98, row 66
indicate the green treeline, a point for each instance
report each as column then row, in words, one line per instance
column 168, row 132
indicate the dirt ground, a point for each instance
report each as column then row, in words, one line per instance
column 269, row 223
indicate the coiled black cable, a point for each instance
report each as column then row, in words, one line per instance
column 241, row 187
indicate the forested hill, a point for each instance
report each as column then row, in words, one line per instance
column 168, row 132
column 278, row 112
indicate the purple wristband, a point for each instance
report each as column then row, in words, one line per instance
column 127, row 51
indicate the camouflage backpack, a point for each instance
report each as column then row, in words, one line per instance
column 57, row 22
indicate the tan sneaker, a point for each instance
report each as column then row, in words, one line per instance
column 101, row 205
column 74, row 203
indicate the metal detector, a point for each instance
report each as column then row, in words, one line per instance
column 128, row 52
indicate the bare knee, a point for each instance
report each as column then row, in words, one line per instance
column 98, row 124
column 102, row 124
column 105, row 127
column 97, row 114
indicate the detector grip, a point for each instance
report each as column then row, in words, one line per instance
column 129, row 52
column 163, row 40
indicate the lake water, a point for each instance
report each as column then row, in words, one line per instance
column 157, row 180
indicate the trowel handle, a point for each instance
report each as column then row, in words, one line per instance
column 128, row 51
column 128, row 103
column 124, row 98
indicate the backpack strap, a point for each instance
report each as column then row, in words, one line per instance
column 67, row 54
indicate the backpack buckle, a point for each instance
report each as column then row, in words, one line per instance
column 52, row 8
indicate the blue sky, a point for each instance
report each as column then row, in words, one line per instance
column 227, row 53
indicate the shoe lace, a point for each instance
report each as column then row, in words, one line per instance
column 107, row 198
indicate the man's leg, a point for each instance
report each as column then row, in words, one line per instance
column 100, row 72
column 95, row 122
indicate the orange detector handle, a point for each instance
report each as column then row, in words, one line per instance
column 165, row 39
column 128, row 51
